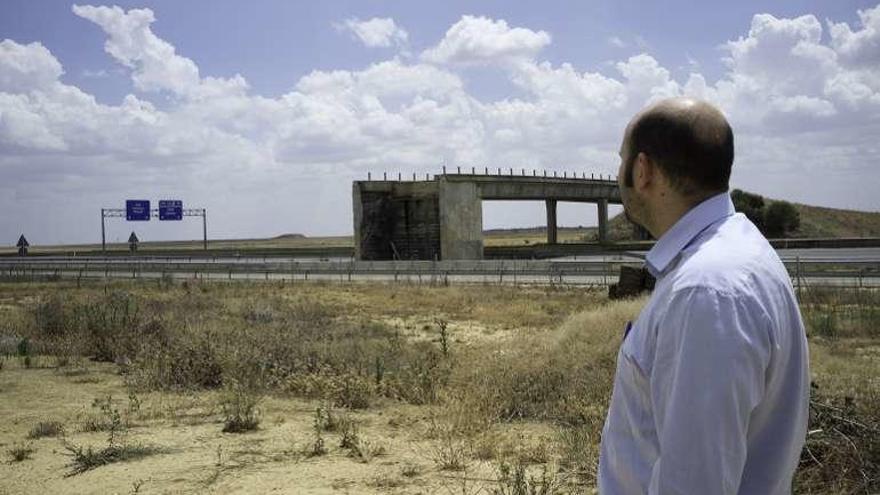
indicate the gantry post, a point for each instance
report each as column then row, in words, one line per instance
column 205, row 228
column 103, row 234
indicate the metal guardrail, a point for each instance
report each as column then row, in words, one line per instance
column 856, row 273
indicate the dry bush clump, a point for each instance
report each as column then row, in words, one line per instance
column 239, row 404
column 20, row 452
column 834, row 314
column 357, row 447
column 108, row 326
column 186, row 359
column 564, row 375
column 45, row 429
column 515, row 480
column 87, row 458
column 842, row 452
column 118, row 448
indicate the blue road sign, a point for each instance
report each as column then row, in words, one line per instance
column 137, row 210
column 170, row 209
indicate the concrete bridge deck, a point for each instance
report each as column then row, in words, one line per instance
column 536, row 188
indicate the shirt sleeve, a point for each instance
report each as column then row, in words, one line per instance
column 708, row 375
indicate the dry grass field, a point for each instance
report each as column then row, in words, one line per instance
column 124, row 387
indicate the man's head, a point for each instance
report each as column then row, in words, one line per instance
column 674, row 154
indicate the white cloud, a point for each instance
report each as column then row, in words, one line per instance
column 783, row 55
column 862, row 46
column 94, row 74
column 484, row 41
column 155, row 64
column 27, row 67
column 616, row 42
column 799, row 105
column 645, row 76
column 376, row 32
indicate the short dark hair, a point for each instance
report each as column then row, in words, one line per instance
column 693, row 147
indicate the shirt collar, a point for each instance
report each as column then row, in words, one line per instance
column 696, row 220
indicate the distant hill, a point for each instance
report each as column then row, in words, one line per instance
column 817, row 221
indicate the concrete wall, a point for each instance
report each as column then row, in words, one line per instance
column 461, row 221
column 396, row 220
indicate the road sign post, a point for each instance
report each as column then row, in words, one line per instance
column 205, row 229
column 140, row 211
column 22, row 246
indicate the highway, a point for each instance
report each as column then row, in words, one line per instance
column 850, row 267
column 839, row 255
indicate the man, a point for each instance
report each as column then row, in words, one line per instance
column 712, row 384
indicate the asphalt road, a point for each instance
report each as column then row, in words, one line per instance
column 818, row 267
column 843, row 255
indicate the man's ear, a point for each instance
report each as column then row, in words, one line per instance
column 644, row 172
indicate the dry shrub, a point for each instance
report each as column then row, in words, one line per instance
column 841, row 312
column 239, row 404
column 108, row 326
column 516, row 480
column 565, row 375
column 244, row 384
column 260, row 312
column 46, row 429
column 842, row 451
column 579, row 450
column 20, row 452
column 50, row 315
column 352, row 391
column 414, row 372
column 450, row 453
column 186, row 359
column 83, row 459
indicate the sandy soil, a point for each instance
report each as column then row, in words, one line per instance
column 196, row 457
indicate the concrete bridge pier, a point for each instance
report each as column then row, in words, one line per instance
column 602, row 205
column 551, row 221
column 461, row 221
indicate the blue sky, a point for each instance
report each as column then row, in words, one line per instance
column 274, row 43
column 264, row 112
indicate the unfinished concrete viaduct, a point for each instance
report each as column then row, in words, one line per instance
column 442, row 218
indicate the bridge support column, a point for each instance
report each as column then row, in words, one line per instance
column 461, row 221
column 551, row 221
column 603, row 220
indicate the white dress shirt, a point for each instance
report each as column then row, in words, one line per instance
column 711, row 393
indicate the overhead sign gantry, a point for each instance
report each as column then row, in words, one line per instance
column 138, row 210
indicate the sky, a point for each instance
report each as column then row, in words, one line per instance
column 263, row 113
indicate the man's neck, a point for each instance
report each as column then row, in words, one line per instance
column 670, row 208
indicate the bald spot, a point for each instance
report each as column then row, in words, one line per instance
column 689, row 139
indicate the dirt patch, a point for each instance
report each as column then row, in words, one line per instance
column 195, row 457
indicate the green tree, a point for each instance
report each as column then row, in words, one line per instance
column 751, row 205
column 781, row 218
